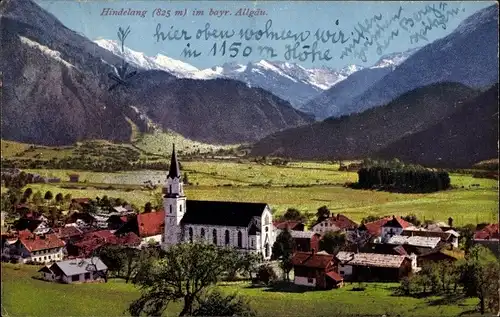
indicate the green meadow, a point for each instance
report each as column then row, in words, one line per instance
column 23, row 295
column 303, row 185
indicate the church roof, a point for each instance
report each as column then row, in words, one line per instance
column 174, row 170
column 221, row 213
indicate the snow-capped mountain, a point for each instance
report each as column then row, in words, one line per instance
column 333, row 101
column 140, row 60
column 288, row 81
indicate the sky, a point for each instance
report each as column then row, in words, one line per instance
column 330, row 17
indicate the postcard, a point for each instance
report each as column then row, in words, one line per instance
column 249, row 158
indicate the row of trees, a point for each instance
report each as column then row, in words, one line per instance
column 85, row 163
column 402, row 180
column 477, row 275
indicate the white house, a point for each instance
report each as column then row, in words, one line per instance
column 44, row 249
column 334, row 223
column 247, row 227
column 75, row 271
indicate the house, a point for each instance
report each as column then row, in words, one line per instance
column 449, row 236
column 440, row 255
column 116, row 221
column 121, row 210
column 315, row 270
column 151, row 226
column 385, row 228
column 417, row 241
column 69, row 233
column 74, row 178
column 93, row 240
column 35, row 226
column 31, row 247
column 488, row 237
column 245, row 226
column 76, row 271
column 334, row 223
column 290, row 224
column 148, row 226
column 305, row 241
column 372, row 266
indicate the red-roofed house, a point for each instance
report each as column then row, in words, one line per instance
column 386, row 227
column 151, row 226
column 96, row 239
column 290, row 224
column 334, row 223
column 489, row 237
column 315, row 270
column 31, row 247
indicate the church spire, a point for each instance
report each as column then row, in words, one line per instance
column 174, row 171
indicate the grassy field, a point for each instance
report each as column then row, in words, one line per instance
column 148, row 145
column 245, row 182
column 24, row 296
column 160, row 143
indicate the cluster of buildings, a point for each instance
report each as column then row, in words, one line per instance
column 395, row 248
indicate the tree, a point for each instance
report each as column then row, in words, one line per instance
column 37, row 198
column 283, row 250
column 293, row 214
column 323, row 213
column 59, row 198
column 412, row 219
column 332, row 242
column 217, row 304
column 48, row 195
column 183, row 273
column 148, row 207
column 28, row 192
column 370, row 218
column 266, row 274
column 358, row 238
column 67, row 198
column 479, row 268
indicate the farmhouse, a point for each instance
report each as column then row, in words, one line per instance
column 30, row 247
column 316, row 270
column 439, row 255
column 248, row 227
column 372, row 266
column 334, row 223
column 449, row 236
column 305, row 241
column 75, row 271
column 385, row 228
column 489, row 237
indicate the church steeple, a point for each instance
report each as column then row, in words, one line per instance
column 174, row 170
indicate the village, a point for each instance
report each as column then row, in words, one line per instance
column 332, row 251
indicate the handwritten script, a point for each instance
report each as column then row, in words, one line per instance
column 322, row 44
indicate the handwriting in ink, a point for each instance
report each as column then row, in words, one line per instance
column 171, row 35
column 252, row 34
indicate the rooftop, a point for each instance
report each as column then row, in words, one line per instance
column 79, row 266
column 312, row 260
column 370, row 259
column 427, row 242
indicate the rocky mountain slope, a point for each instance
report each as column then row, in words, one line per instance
column 56, row 91
column 334, row 101
column 468, row 55
column 461, row 139
column 359, row 135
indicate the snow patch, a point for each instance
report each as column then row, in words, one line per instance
column 45, row 50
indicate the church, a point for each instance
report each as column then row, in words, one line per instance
column 247, row 227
